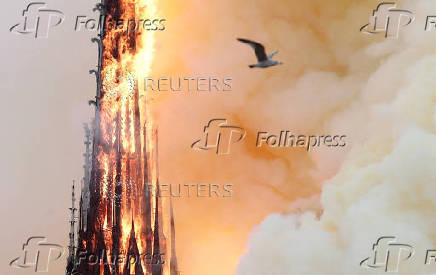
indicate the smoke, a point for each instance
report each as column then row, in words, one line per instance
column 379, row 92
column 385, row 101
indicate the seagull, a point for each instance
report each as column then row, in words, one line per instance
column 263, row 60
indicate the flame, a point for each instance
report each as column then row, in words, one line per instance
column 123, row 109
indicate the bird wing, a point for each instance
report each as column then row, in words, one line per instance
column 259, row 49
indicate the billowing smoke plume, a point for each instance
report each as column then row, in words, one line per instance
column 379, row 92
column 385, row 100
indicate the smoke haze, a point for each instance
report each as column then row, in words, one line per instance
column 292, row 211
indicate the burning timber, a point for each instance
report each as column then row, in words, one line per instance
column 120, row 224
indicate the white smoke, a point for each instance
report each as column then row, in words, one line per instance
column 386, row 183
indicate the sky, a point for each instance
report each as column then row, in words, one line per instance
column 289, row 206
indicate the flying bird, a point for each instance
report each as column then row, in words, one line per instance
column 263, row 60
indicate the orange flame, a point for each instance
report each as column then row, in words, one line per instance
column 126, row 55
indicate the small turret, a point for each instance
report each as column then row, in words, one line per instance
column 71, row 263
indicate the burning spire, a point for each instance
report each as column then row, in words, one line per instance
column 133, row 264
column 84, row 198
column 174, row 269
column 117, row 220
